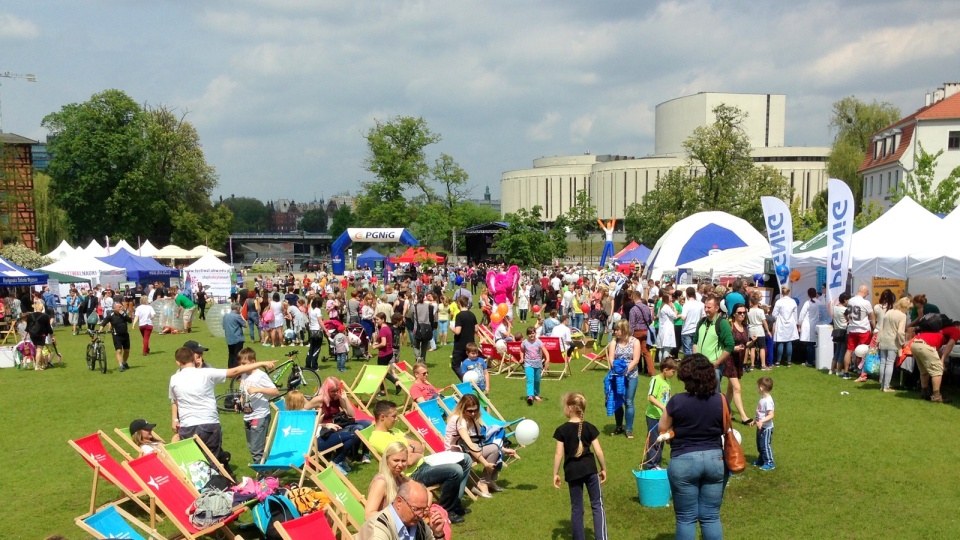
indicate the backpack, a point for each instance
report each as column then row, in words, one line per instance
column 211, row 507
column 267, row 316
column 273, row 509
column 930, row 322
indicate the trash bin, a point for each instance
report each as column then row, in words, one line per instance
column 824, row 346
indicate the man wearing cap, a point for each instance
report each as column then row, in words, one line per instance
column 233, row 327
column 193, row 398
column 185, row 308
column 197, row 351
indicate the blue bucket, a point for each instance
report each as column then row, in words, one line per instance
column 653, row 488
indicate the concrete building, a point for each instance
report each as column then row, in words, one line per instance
column 894, row 149
column 615, row 182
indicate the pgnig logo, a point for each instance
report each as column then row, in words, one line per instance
column 375, row 235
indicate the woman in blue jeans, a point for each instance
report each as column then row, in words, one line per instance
column 625, row 347
column 697, row 472
column 331, row 401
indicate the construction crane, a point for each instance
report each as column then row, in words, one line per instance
column 30, row 77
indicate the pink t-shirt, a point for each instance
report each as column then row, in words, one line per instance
column 423, row 390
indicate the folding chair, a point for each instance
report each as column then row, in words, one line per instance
column 111, row 521
column 278, row 405
column 513, row 361
column 94, row 453
column 312, row 526
column 418, row 424
column 434, row 414
column 556, row 356
column 124, row 434
column 292, row 437
column 492, row 355
column 483, row 334
column 596, row 360
column 348, row 502
column 364, row 435
column 173, row 496
column 489, row 414
column 367, row 383
column 184, row 452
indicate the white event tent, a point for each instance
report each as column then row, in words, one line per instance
column 82, row 264
column 213, row 273
column 202, row 250
column 60, row 251
column 885, row 248
column 699, row 235
column 171, row 252
column 147, row 250
column 95, row 250
column 122, row 245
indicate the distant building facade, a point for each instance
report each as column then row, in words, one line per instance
column 487, row 200
column 894, row 150
column 285, row 214
column 18, row 219
column 614, row 182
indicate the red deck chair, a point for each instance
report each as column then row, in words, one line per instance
column 94, row 453
column 313, row 526
column 513, row 361
column 556, row 357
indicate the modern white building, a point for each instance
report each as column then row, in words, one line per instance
column 894, row 150
column 615, row 182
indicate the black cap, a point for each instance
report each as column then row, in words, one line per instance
column 139, row 424
column 194, row 346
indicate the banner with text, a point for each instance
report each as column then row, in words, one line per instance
column 374, row 234
column 776, row 214
column 840, row 214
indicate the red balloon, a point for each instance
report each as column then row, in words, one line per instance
column 536, row 308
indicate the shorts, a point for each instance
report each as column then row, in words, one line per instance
column 760, row 343
column 928, row 360
column 73, row 317
column 188, row 315
column 443, row 326
column 121, row 341
column 385, row 360
column 857, row 338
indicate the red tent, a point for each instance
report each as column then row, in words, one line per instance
column 630, row 246
column 414, row 255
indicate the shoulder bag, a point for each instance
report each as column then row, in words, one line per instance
column 732, row 451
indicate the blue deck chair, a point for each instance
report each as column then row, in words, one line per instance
column 291, row 439
column 113, row 522
column 492, row 420
column 434, row 413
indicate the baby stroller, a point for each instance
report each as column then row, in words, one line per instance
column 331, row 327
column 359, row 340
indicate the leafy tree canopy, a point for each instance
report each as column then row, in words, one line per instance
column 854, row 121
column 343, row 219
column 21, row 255
column 314, row 221
column 524, row 242
column 921, row 185
column 249, row 214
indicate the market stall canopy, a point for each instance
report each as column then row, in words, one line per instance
column 369, row 257
column 631, row 246
column 934, row 257
column 82, row 264
column 212, row 273
column 699, row 235
column 122, row 245
column 12, row 275
column 415, row 255
column 60, row 251
column 65, row 278
column 639, row 254
column 885, row 247
column 171, row 252
column 202, row 250
column 94, row 249
column 140, row 269
column 147, row 250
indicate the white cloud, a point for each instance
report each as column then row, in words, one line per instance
column 581, row 128
column 544, row 129
column 13, row 27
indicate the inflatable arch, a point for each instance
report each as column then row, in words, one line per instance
column 383, row 236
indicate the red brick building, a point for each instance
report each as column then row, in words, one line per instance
column 18, row 220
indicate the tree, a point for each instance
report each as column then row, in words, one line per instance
column 314, row 221
column 583, row 218
column 854, row 122
column 868, row 214
column 21, row 255
column 558, row 237
column 919, row 184
column 192, row 229
column 807, row 223
column 452, row 179
column 249, row 214
column 51, row 219
column 124, row 170
column 343, row 219
column 524, row 241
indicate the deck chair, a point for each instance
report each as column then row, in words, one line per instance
column 557, row 363
column 94, row 453
column 311, row 526
column 364, row 435
column 434, row 414
column 513, row 361
column 367, row 383
column 278, row 405
column 184, row 452
column 111, row 521
column 489, row 414
column 124, row 434
column 292, row 437
column 348, row 503
column 418, row 424
column 595, row 360
column 492, row 355
column 173, row 495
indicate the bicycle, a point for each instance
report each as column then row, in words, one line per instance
column 287, row 376
column 96, row 353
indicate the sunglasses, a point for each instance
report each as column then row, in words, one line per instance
column 741, row 313
column 471, row 411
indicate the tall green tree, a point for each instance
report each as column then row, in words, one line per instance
column 51, row 219
column 853, row 121
column 343, row 219
column 583, row 218
column 452, row 180
column 921, row 184
column 807, row 223
column 314, row 221
column 249, row 214
column 524, row 241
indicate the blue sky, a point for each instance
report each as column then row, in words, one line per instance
column 283, row 91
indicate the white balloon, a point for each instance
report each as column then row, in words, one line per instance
column 862, row 350
column 527, row 432
column 471, row 377
column 736, row 435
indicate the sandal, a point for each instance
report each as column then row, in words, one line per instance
column 629, row 434
column 618, row 430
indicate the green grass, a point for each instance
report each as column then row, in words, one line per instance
column 863, row 465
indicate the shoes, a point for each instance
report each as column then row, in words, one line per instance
column 267, row 345
column 492, row 486
column 476, row 491
column 342, row 467
column 618, row 431
column 465, row 511
column 365, row 458
column 455, row 518
column 889, row 390
column 537, row 399
column 830, row 372
column 381, row 394
column 629, row 434
column 756, row 463
column 126, row 365
column 939, row 398
column 846, row 376
column 861, row 379
column 122, row 369
column 768, row 467
column 529, row 400
column 431, row 350
column 808, row 364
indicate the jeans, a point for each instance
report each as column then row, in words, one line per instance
column 341, row 361
column 811, row 350
column 697, row 480
column 452, row 478
column 655, row 453
column 233, row 349
column 686, row 341
column 347, row 437
column 313, row 354
column 253, row 323
column 211, row 435
column 781, row 345
column 523, row 315
column 839, row 349
column 887, row 360
column 764, row 437
column 533, row 380
column 256, row 431
column 576, row 321
column 628, row 410
column 592, row 484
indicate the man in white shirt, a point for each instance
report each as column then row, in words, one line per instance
column 562, row 331
column 556, row 283
column 860, row 325
column 193, row 399
column 691, row 315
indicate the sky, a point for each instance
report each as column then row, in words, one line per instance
column 283, row 92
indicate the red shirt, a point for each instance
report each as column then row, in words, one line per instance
column 951, row 333
column 933, row 339
column 423, row 390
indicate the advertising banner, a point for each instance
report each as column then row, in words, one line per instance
column 776, row 215
column 840, row 214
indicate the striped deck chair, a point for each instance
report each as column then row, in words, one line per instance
column 112, row 522
column 292, row 438
column 104, row 465
column 173, row 496
column 368, row 383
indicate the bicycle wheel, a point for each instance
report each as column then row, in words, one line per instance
column 228, row 402
column 102, row 359
column 91, row 357
column 309, row 383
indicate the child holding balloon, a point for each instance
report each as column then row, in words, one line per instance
column 577, row 443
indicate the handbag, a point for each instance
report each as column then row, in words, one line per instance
column 839, row 335
column 732, row 451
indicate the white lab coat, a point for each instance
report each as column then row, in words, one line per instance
column 809, row 317
column 785, row 310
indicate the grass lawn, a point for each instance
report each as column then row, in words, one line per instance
column 862, row 465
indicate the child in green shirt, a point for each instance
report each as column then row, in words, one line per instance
column 657, row 397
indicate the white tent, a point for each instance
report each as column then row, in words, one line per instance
column 60, row 251
column 122, row 245
column 935, row 253
column 202, row 250
column 171, row 252
column 147, row 250
column 95, row 250
column 82, row 264
column 884, row 248
column 700, row 235
column 743, row 261
column 212, row 273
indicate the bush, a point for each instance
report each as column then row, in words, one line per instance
column 21, row 255
column 264, row 268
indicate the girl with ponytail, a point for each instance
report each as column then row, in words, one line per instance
column 577, row 444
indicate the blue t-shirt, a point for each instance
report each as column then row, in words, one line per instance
column 697, row 423
column 479, row 366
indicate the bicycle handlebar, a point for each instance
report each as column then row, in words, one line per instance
column 293, row 353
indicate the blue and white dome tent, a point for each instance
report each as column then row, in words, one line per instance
column 700, row 235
